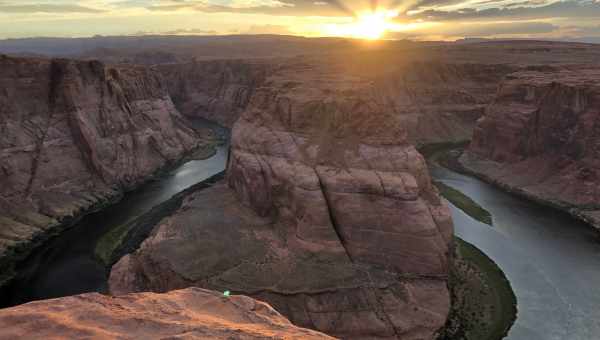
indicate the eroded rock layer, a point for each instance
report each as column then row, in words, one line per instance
column 74, row 134
column 541, row 138
column 215, row 90
column 189, row 313
column 327, row 213
column 439, row 101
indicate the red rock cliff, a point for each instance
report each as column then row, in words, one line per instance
column 439, row 101
column 75, row 133
column 541, row 137
column 215, row 90
column 328, row 214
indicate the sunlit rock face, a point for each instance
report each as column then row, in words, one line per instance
column 541, row 137
column 329, row 156
column 216, row 90
column 189, row 313
column 74, row 134
column 438, row 101
column 327, row 213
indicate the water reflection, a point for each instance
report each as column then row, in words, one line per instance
column 67, row 265
column 551, row 260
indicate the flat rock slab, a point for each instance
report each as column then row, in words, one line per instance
column 191, row 313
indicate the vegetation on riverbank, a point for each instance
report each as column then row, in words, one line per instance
column 464, row 203
column 432, row 152
column 483, row 302
column 127, row 237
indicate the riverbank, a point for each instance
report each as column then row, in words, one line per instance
column 464, row 203
column 126, row 238
column 452, row 155
column 438, row 155
column 11, row 260
column 471, row 164
column 483, row 302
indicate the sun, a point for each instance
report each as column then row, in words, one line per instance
column 372, row 25
column 368, row 25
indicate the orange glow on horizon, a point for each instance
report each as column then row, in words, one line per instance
column 367, row 25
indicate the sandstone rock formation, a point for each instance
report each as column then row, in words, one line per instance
column 438, row 100
column 541, row 138
column 74, row 134
column 328, row 214
column 215, row 90
column 190, row 313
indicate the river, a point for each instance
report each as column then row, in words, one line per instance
column 68, row 265
column 551, row 260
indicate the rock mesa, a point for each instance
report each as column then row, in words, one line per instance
column 327, row 213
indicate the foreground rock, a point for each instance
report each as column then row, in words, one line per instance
column 74, row 135
column 328, row 214
column 541, row 139
column 189, row 313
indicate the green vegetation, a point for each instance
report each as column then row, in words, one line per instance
column 431, row 151
column 127, row 237
column 464, row 203
column 483, row 303
column 111, row 241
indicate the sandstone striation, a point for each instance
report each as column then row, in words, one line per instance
column 327, row 213
column 439, row 101
column 216, row 90
column 74, row 135
column 541, row 138
column 190, row 313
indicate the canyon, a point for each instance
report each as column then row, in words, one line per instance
column 327, row 211
column 439, row 101
column 74, row 136
column 544, row 125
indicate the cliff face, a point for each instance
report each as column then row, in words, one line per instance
column 190, row 313
column 327, row 213
column 215, row 90
column 75, row 133
column 541, row 137
column 438, row 101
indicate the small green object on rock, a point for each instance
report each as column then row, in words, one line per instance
column 226, row 293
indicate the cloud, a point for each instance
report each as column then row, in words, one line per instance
column 42, row 7
column 513, row 28
column 470, row 30
column 542, row 18
column 523, row 10
column 268, row 29
column 272, row 7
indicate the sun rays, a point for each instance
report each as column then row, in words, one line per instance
column 369, row 20
column 371, row 25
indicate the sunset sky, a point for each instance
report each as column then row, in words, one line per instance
column 414, row 19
